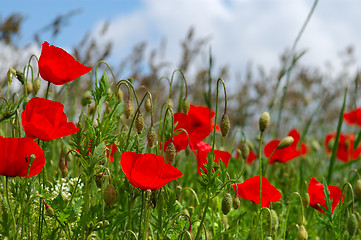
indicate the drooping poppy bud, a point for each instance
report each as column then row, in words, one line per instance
column 170, row 153
column 49, row 210
column 225, row 125
column 275, row 221
column 36, row 85
column 264, row 121
column 170, row 103
column 139, row 123
column 109, row 195
column 65, row 172
column 29, row 87
column 120, row 95
column 86, row 99
column 129, row 110
column 227, row 203
column 148, row 105
column 236, row 203
column 352, row 224
column 185, row 105
column 151, row 136
column 245, row 150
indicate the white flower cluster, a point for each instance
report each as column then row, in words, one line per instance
column 66, row 188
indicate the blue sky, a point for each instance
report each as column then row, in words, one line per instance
column 240, row 31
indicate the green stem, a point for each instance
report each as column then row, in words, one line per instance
column 47, row 91
column 199, row 231
column 8, row 202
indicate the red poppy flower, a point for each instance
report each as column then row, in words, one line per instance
column 15, row 157
column 353, row 117
column 147, row 171
column 203, row 149
column 198, row 123
column 288, row 153
column 345, row 147
column 45, row 119
column 317, row 196
column 249, row 190
column 59, row 67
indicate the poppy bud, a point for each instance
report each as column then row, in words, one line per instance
column 99, row 178
column 244, row 150
column 95, row 123
column 151, row 136
column 227, row 203
column 128, row 111
column 357, row 189
column 287, row 141
column 36, row 85
column 87, row 98
column 236, row 203
column 306, row 200
column 20, row 76
column 62, row 164
column 358, row 217
column 65, row 172
column 264, row 121
column 302, row 233
column 148, row 105
column 170, row 153
column 8, row 76
column 352, row 224
column 49, row 210
column 109, row 195
column 170, row 103
column 120, row 95
column 268, row 238
column 225, row 125
column 29, row 87
column 139, row 123
column 275, row 221
column 185, row 105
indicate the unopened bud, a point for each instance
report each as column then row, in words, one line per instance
column 8, row 76
column 120, row 95
column 99, row 178
column 287, row 141
column 264, row 121
column 185, row 105
column 148, row 105
column 227, row 203
column 65, row 172
column 244, row 150
column 275, row 221
column 36, row 85
column 49, row 210
column 20, row 76
column 29, row 87
column 170, row 103
column 128, row 111
column 139, row 123
column 170, row 153
column 236, row 203
column 306, row 200
column 302, row 233
column 86, row 99
column 225, row 125
column 109, row 195
column 151, row 136
column 352, row 224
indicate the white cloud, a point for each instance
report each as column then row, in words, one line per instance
column 241, row 31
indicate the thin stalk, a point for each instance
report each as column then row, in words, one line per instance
column 199, row 231
column 8, row 201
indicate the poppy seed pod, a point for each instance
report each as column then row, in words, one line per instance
column 148, row 105
column 225, row 125
column 287, row 141
column 264, row 121
column 185, row 105
column 357, row 189
column 129, row 110
column 302, row 233
column 170, row 153
column 109, row 195
column 151, row 137
column 352, row 224
column 236, row 203
column 36, row 85
column 227, row 203
column 139, row 123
